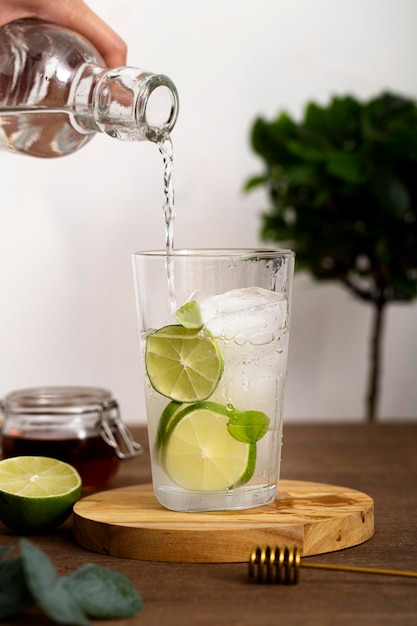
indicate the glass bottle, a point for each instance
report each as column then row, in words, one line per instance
column 77, row 425
column 56, row 93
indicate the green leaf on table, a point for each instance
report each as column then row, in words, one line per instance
column 3, row 551
column 103, row 593
column 15, row 595
column 93, row 591
column 248, row 426
column 48, row 588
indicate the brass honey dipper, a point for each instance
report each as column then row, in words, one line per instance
column 281, row 565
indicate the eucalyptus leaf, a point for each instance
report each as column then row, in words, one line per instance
column 91, row 591
column 248, row 426
column 15, row 595
column 3, row 551
column 37, row 565
column 48, row 589
column 103, row 593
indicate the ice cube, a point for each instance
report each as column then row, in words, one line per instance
column 248, row 315
column 250, row 326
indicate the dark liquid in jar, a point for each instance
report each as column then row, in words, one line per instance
column 95, row 460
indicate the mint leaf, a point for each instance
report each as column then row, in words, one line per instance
column 248, row 426
column 103, row 593
column 48, row 589
column 14, row 592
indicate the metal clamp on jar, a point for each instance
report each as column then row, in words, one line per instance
column 79, row 425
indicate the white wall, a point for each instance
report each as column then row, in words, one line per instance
column 68, row 226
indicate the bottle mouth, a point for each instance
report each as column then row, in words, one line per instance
column 158, row 107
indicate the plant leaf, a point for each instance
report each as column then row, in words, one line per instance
column 309, row 152
column 346, row 176
column 15, row 595
column 346, row 166
column 48, row 589
column 3, row 551
column 103, row 593
column 392, row 194
column 248, row 426
column 255, row 181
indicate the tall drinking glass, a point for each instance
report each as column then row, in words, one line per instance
column 214, row 328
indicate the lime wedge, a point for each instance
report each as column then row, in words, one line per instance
column 199, row 454
column 189, row 315
column 36, row 493
column 183, row 364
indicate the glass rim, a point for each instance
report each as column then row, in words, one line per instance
column 152, row 83
column 263, row 253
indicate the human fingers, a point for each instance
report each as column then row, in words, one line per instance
column 73, row 14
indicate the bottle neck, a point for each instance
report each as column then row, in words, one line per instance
column 125, row 103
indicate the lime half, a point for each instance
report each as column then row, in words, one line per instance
column 199, row 454
column 36, row 493
column 183, row 364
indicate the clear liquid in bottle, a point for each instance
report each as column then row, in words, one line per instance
column 56, row 93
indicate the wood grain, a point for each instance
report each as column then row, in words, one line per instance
column 379, row 459
column 130, row 522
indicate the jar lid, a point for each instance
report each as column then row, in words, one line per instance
column 56, row 398
column 78, row 400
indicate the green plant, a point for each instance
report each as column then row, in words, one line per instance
column 343, row 190
column 91, row 591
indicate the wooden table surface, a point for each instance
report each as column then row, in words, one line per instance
column 379, row 459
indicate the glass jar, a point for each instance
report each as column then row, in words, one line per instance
column 78, row 425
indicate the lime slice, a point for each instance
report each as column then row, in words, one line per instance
column 189, row 315
column 199, row 454
column 183, row 364
column 167, row 416
column 36, row 493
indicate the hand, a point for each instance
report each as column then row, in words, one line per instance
column 73, row 14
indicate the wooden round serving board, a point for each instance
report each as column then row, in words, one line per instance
column 129, row 522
